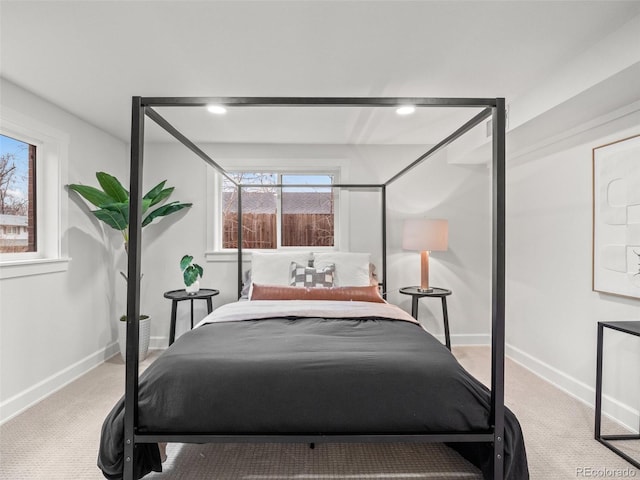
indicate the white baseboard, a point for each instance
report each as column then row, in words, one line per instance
column 623, row 414
column 617, row 411
column 158, row 343
column 32, row 395
column 461, row 340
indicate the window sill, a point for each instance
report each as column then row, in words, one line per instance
column 38, row 266
column 226, row 256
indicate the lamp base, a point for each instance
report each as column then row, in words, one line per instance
column 424, row 273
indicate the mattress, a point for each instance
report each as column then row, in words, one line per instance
column 309, row 368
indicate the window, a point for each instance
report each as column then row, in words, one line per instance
column 34, row 213
column 17, row 196
column 276, row 216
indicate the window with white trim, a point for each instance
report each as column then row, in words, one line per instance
column 37, row 154
column 276, row 216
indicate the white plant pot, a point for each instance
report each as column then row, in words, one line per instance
column 144, row 335
column 193, row 288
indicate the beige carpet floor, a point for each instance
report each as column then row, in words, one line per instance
column 58, row 439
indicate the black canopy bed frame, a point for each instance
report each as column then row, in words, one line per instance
column 493, row 108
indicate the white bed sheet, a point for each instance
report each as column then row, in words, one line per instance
column 259, row 309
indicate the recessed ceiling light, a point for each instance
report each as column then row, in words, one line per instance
column 405, row 110
column 217, row 109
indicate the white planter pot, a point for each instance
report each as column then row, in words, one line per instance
column 193, row 288
column 143, row 345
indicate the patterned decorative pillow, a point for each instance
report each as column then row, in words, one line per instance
column 303, row 276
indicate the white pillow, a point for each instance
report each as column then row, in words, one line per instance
column 273, row 268
column 352, row 269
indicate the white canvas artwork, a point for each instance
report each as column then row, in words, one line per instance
column 616, row 217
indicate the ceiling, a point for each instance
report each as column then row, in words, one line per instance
column 91, row 57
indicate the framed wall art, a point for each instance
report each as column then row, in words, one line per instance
column 616, row 217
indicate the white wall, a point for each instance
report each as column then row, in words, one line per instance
column 461, row 194
column 552, row 312
column 435, row 189
column 55, row 326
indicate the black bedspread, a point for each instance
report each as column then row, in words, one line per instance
column 309, row 376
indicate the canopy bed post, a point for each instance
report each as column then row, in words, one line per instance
column 133, row 286
column 498, row 287
column 239, row 240
column 383, row 191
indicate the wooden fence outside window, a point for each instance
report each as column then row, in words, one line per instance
column 259, row 230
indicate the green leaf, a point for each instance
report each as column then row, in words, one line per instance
column 190, row 275
column 122, row 208
column 112, row 218
column 164, row 210
column 199, row 268
column 153, row 193
column 146, row 203
column 91, row 194
column 164, row 194
column 112, row 187
column 186, row 260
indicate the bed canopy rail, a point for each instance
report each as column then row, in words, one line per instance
column 494, row 107
column 443, row 143
column 317, row 101
column 173, row 131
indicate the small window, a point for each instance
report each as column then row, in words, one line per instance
column 307, row 212
column 17, row 196
column 259, row 211
column 273, row 216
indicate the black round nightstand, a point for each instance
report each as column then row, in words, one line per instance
column 442, row 293
column 179, row 295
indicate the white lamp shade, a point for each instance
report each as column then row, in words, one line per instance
column 425, row 234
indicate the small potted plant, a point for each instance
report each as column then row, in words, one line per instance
column 191, row 272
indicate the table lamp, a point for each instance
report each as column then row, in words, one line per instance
column 425, row 235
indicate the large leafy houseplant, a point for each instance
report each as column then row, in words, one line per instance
column 112, row 200
column 113, row 203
